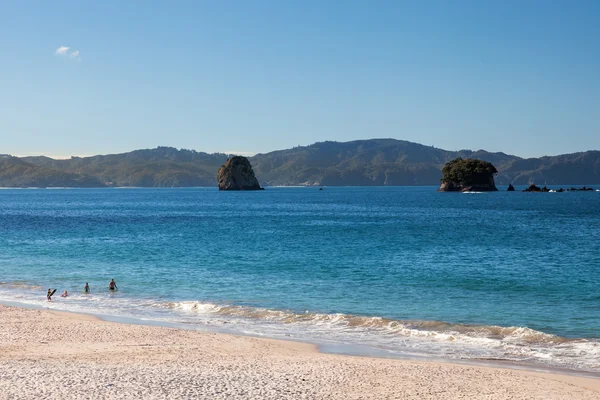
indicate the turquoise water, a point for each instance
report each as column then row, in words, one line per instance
column 404, row 270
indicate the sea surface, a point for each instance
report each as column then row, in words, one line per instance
column 403, row 271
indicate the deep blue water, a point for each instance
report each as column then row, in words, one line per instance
column 404, row 269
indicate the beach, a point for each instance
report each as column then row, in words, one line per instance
column 46, row 353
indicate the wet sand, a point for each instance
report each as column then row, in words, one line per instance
column 46, row 354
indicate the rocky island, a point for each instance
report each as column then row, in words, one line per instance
column 468, row 175
column 237, row 174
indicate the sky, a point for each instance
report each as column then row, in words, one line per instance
column 98, row 77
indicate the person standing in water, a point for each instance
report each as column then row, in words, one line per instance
column 86, row 288
column 49, row 295
column 112, row 285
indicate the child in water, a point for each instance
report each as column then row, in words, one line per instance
column 65, row 294
column 86, row 288
column 49, row 295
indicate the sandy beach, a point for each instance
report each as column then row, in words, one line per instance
column 47, row 354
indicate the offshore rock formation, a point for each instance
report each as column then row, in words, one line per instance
column 582, row 189
column 534, row 188
column 237, row 174
column 468, row 175
column 511, row 188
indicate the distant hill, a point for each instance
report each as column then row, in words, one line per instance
column 565, row 169
column 160, row 167
column 361, row 162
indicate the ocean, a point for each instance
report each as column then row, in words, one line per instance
column 393, row 271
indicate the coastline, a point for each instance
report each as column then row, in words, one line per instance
column 47, row 352
column 322, row 345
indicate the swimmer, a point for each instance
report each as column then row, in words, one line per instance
column 65, row 294
column 112, row 285
column 86, row 288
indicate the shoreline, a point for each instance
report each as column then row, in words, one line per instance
column 342, row 349
column 33, row 339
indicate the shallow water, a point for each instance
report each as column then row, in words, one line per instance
column 406, row 270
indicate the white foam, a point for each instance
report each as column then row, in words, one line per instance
column 419, row 338
column 194, row 306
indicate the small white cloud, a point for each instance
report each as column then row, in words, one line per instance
column 62, row 50
column 65, row 51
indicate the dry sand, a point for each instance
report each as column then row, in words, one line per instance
column 47, row 354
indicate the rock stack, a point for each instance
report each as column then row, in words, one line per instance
column 237, row 174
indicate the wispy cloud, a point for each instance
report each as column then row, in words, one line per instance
column 66, row 51
column 62, row 50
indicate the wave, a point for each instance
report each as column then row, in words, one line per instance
column 395, row 337
column 409, row 328
column 20, row 285
column 403, row 337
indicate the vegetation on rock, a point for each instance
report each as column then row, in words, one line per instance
column 468, row 174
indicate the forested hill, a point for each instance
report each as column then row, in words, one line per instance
column 361, row 162
column 163, row 166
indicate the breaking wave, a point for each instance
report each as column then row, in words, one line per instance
column 384, row 336
column 406, row 337
column 414, row 328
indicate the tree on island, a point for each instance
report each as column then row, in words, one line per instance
column 465, row 175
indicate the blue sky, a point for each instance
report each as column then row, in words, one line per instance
column 521, row 77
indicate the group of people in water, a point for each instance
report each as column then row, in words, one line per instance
column 112, row 286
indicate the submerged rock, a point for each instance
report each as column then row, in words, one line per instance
column 468, row 175
column 582, row 189
column 237, row 174
column 534, row 188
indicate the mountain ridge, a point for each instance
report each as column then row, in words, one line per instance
column 370, row 162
